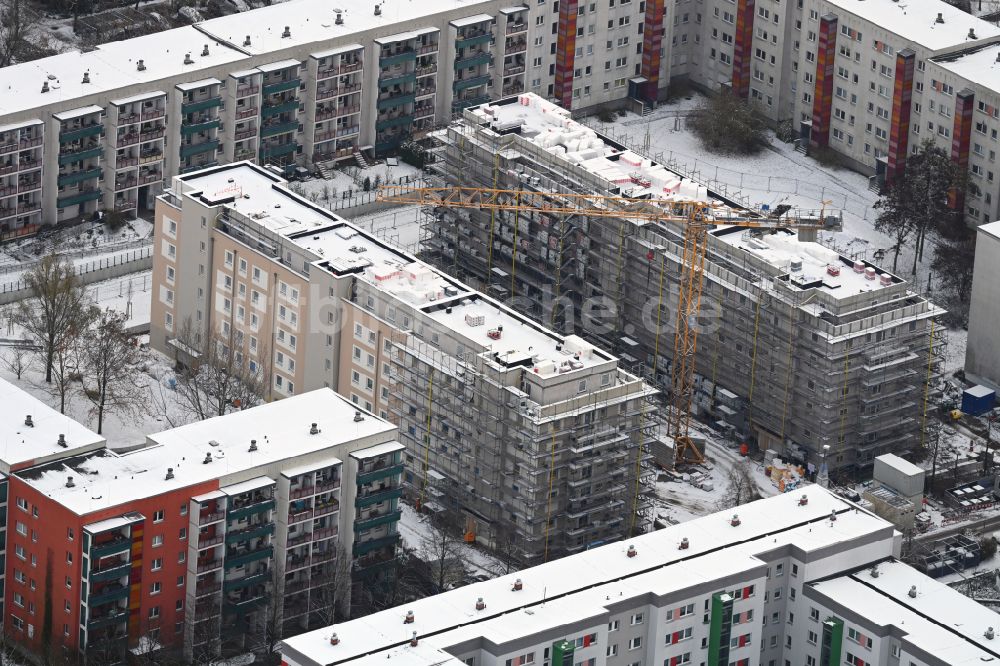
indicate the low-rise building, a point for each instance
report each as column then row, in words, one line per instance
column 801, row 578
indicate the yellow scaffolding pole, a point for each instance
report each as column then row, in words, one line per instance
column 843, row 395
column 753, row 362
column 788, row 369
column 427, row 434
column 493, row 215
column 621, row 245
column 513, row 254
column 927, row 384
column 548, row 498
column 559, row 266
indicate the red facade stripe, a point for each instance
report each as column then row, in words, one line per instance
column 823, row 96
column 960, row 138
column 652, row 43
column 742, row 47
column 902, row 103
column 566, row 52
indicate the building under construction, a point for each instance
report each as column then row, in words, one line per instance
column 807, row 352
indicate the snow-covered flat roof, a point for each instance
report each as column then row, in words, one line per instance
column 141, row 97
column 105, row 479
column 337, row 51
column 917, row 22
column 992, row 229
column 280, row 65
column 24, row 123
column 938, row 620
column 900, row 464
column 20, row 444
column 979, row 67
column 405, row 36
column 247, row 486
column 311, row 21
column 76, row 113
column 471, row 20
column 111, row 66
column 377, row 450
column 200, row 83
column 111, row 523
column 579, row 586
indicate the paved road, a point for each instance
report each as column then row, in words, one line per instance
column 981, row 525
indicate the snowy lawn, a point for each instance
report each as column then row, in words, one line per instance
column 418, row 533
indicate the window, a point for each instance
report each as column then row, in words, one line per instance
column 522, row 660
column 636, row 619
column 612, row 650
column 635, row 643
column 613, row 626
column 158, row 516
column 154, row 588
column 154, row 612
column 157, row 540
column 22, row 504
column 156, row 564
column 22, row 529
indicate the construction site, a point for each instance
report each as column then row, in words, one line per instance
column 787, row 344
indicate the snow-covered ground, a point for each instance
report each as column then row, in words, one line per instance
column 418, row 534
column 131, row 294
column 348, row 183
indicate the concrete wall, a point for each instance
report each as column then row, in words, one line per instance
column 982, row 357
column 95, row 271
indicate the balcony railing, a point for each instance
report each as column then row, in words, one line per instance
column 199, row 148
column 204, row 126
column 363, row 547
column 246, row 113
column 423, row 113
column 399, row 79
column 250, row 533
column 288, row 106
column 366, row 477
column 80, row 155
column 150, row 178
column 245, row 134
column 327, row 73
column 246, row 91
column 278, row 150
column 151, row 135
column 353, row 67
column 152, row 114
column 427, row 70
column 79, row 176
column 29, row 207
column 236, row 513
column 281, row 86
column 472, row 82
column 361, row 525
column 474, row 60
column 348, row 110
column 399, row 57
column 473, row 38
column 210, row 541
column 80, row 132
column 511, row 70
column 8, row 191
column 150, row 157
column 514, row 28
column 208, row 565
column 201, row 105
column 126, row 184
column 247, row 581
column 101, row 621
column 395, row 100
column 251, row 556
column 205, row 589
column 515, row 46
column 107, row 594
column 325, row 114
column 110, row 572
column 279, row 128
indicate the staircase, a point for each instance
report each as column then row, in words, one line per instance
column 647, row 109
column 325, row 169
column 801, row 147
column 360, row 159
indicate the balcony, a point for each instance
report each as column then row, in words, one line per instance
column 28, row 165
column 428, row 48
column 8, row 147
column 386, row 81
column 208, row 565
column 199, row 148
column 425, row 112
column 425, row 91
column 80, row 133
column 150, row 157
column 325, row 94
column 281, row 86
column 236, row 513
column 475, row 100
column 348, row 110
column 80, row 155
column 151, row 135
column 119, row 545
column 247, row 581
column 210, row 541
column 246, row 113
column 127, row 140
column 474, row 60
column 206, row 589
column 374, row 563
column 243, row 559
column 326, row 508
column 245, row 606
column 473, row 38
column 28, row 207
column 246, row 91
column 517, row 46
column 107, row 595
column 279, row 150
column 289, row 106
column 511, row 70
column 299, row 516
column 279, row 128
column 245, row 134
column 407, row 55
column 111, row 572
column 366, row 477
column 188, row 129
column 377, row 497
column 324, row 114
column 347, row 131
column 395, row 100
column 427, row 70
column 403, row 120
column 126, row 184
column 150, row 178
column 514, row 28
column 375, row 521
column 250, row 533
column 348, row 69
column 107, row 620
column 201, row 105
column 10, row 190
column 152, row 114
column 472, row 82
column 212, row 517
column 360, row 548
column 29, row 187
column 327, row 73
column 309, row 491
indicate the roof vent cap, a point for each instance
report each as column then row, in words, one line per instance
column 62, row 441
column 684, row 544
column 204, row 51
column 989, row 633
column 631, row 552
column 940, row 18
column 69, row 482
column 334, row 639
column 804, row 500
column 518, row 585
column 972, row 33
column 170, row 473
column 28, row 422
column 913, row 592
column 314, row 429
column 735, row 520
column 287, row 32
column 246, row 42
column 378, row 10
column 833, row 516
column 340, row 19
column 187, row 59
column 86, row 77
column 208, row 458
column 253, row 445
column 480, row 604
column 140, row 66
column 358, row 416
column 45, row 86
column 873, row 572
column 413, row 640
column 410, row 617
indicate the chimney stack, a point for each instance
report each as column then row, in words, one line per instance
column 140, row 66
column 170, row 473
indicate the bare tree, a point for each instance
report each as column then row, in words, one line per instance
column 741, row 487
column 225, row 378
column 15, row 20
column 59, row 310
column 17, row 358
column 65, row 370
column 442, row 550
column 109, row 368
column 330, row 602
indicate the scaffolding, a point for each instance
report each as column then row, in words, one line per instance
column 793, row 369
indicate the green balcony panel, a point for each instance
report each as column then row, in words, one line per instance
column 280, row 128
column 372, row 567
column 83, row 132
column 193, row 128
column 249, row 510
column 291, row 105
column 281, row 86
column 278, row 151
column 80, row 155
column 246, row 534
column 397, row 101
column 473, row 41
column 459, row 104
column 397, row 80
column 463, row 84
column 364, row 478
column 79, row 176
column 198, row 148
column 247, row 581
column 110, row 596
column 247, row 606
column 391, row 517
column 360, row 548
column 401, row 121
column 397, row 59
column 107, row 621
column 111, row 573
column 246, row 558
column 65, row 202
column 473, row 61
column 195, row 107
column 375, row 498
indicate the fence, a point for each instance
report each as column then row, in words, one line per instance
column 359, row 202
column 90, row 272
column 78, row 253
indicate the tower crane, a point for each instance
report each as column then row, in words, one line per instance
column 694, row 216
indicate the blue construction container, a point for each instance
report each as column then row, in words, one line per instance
column 978, row 400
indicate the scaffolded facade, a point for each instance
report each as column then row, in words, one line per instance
column 840, row 364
